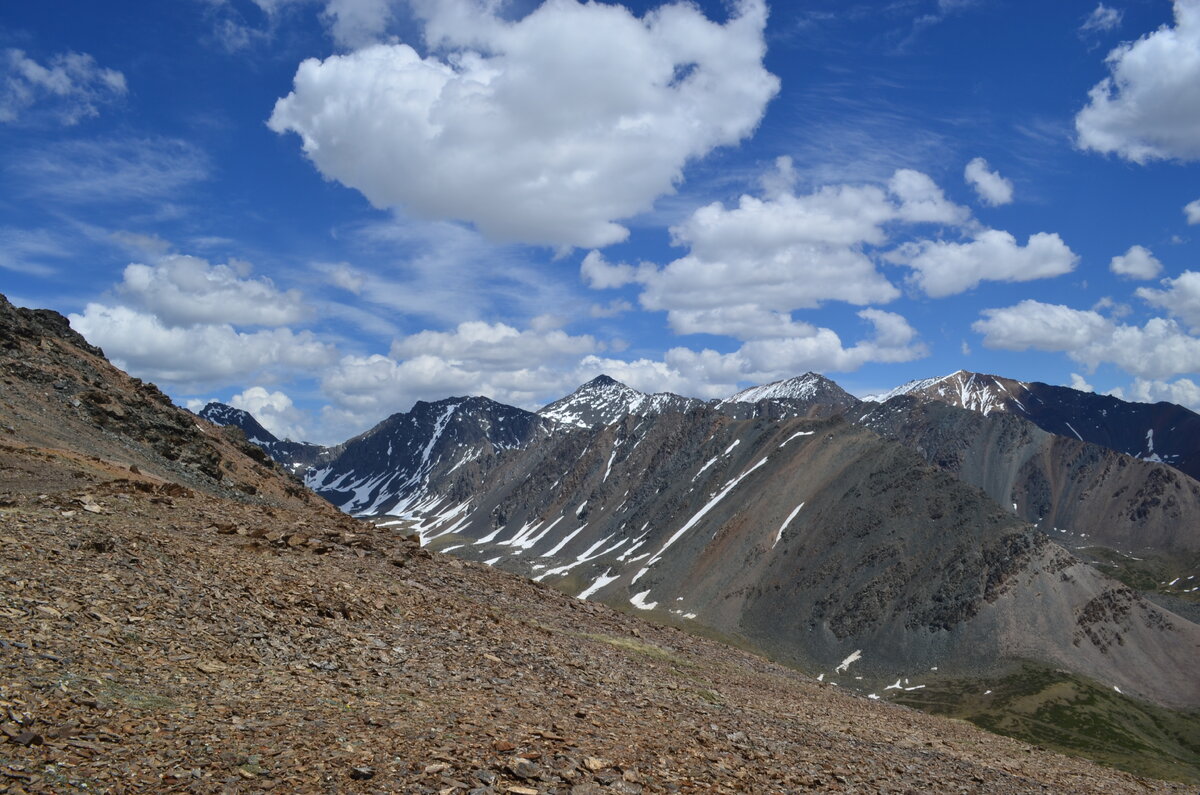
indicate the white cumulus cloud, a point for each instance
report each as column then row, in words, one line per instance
column 530, row 367
column 1159, row 349
column 749, row 266
column 893, row 340
column 481, row 346
column 1041, row 326
column 783, row 253
column 1080, row 383
column 515, row 366
column 274, row 410
column 197, row 357
column 946, row 268
column 1148, row 108
column 182, row 290
column 992, row 189
column 1136, row 263
column 547, row 130
column 1181, row 298
column 1191, row 211
column 1183, row 392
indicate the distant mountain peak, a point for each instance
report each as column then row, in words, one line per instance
column 604, row 400
column 223, row 414
column 1162, row 432
column 801, row 387
column 974, row 391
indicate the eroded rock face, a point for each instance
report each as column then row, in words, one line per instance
column 60, row 393
column 1074, row 491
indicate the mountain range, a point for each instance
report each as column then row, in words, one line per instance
column 946, row 526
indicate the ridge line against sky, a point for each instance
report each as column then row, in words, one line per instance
column 323, row 210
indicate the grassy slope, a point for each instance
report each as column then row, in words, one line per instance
column 1073, row 715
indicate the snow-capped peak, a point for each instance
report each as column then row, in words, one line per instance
column 801, row 387
column 605, row 400
column 973, row 391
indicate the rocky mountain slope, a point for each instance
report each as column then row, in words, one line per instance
column 177, row 616
column 1160, row 432
column 574, row 506
column 418, row 459
column 812, row 541
column 1080, row 493
column 183, row 643
column 62, row 396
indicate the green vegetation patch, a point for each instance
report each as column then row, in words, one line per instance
column 1073, row 715
column 1149, row 574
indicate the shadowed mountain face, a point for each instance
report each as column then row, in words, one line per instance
column 1076, row 492
column 808, row 540
column 1160, row 432
column 435, row 452
column 294, row 456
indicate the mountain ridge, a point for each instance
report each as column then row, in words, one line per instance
column 1161, row 432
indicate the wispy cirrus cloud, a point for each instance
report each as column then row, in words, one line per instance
column 109, row 170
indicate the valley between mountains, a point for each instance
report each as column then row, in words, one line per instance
column 619, row 593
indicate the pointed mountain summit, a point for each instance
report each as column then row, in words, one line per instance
column 604, row 400
column 447, row 445
column 1160, row 432
column 802, row 387
column 964, row 389
column 223, row 414
column 294, row 456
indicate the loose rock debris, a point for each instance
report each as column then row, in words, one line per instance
column 204, row 645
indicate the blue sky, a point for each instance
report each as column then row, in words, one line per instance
column 323, row 210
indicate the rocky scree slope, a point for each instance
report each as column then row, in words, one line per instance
column 61, row 395
column 811, row 541
column 186, row 633
column 185, row 643
column 1079, row 493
